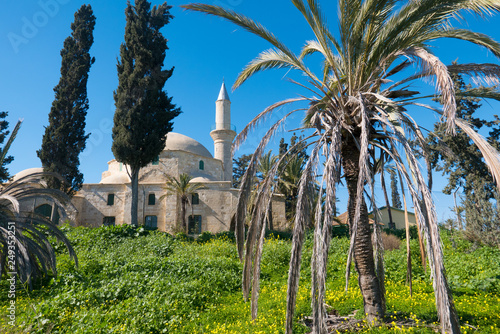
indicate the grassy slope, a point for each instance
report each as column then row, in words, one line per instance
column 130, row 281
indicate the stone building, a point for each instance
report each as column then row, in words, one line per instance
column 109, row 201
column 398, row 218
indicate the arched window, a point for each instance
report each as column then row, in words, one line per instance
column 201, row 165
column 45, row 210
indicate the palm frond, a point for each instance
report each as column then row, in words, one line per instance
column 302, row 216
column 443, row 81
column 241, row 137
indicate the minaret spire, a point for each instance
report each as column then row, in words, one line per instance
column 223, row 92
column 223, row 133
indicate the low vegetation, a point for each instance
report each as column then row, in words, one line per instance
column 132, row 280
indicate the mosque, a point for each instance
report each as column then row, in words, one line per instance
column 109, row 201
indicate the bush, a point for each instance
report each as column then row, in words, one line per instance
column 401, row 233
column 390, row 241
column 340, row 231
column 205, row 237
column 281, row 235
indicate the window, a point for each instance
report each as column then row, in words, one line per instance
column 44, row 210
column 151, row 221
column 156, row 161
column 121, row 166
column 111, row 199
column 151, row 199
column 195, row 199
column 201, row 165
column 108, row 221
column 194, row 224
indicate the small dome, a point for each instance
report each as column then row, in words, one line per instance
column 200, row 179
column 116, row 178
column 177, row 142
column 27, row 172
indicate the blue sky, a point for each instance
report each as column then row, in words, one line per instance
column 204, row 50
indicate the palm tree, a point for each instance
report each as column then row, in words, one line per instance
column 266, row 164
column 289, row 179
column 184, row 189
column 24, row 245
column 357, row 108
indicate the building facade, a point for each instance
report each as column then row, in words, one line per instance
column 109, row 201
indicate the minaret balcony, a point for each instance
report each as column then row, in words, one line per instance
column 222, row 126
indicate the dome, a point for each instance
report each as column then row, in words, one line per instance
column 177, row 142
column 116, row 178
column 201, row 179
column 27, row 172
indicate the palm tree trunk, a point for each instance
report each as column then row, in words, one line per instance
column 363, row 249
column 183, row 215
column 134, row 178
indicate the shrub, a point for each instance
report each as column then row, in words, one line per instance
column 340, row 231
column 205, row 237
column 390, row 241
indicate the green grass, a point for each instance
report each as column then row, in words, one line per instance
column 135, row 281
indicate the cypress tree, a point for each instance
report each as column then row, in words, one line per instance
column 65, row 137
column 396, row 200
column 4, row 173
column 143, row 110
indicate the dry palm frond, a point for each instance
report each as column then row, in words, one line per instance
column 241, row 137
column 424, row 209
column 479, row 73
column 444, row 82
column 301, row 219
column 256, row 233
column 324, row 217
column 246, row 183
column 491, row 156
column 408, row 249
column 35, row 255
column 444, row 300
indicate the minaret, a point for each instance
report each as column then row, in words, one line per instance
column 223, row 134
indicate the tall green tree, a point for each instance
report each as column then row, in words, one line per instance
column 461, row 160
column 144, row 112
column 456, row 155
column 396, row 199
column 482, row 217
column 4, row 173
column 357, row 106
column 65, row 137
column 239, row 167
